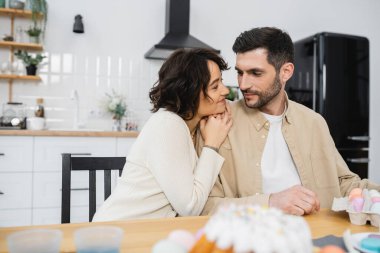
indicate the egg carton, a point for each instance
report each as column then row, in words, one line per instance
column 368, row 212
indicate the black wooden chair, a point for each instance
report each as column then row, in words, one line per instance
column 90, row 164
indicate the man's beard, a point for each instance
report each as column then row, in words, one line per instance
column 264, row 96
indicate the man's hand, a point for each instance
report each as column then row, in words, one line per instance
column 296, row 200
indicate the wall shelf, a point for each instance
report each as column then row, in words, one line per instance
column 18, row 77
column 12, row 14
column 19, row 45
column 17, row 13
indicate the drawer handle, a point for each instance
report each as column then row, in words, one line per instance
column 80, row 153
column 2, row 154
column 78, row 189
column 358, row 160
column 1, row 193
column 358, row 138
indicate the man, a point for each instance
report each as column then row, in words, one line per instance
column 278, row 152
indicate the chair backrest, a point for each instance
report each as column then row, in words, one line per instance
column 90, row 164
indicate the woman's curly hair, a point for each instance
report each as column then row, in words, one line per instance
column 181, row 79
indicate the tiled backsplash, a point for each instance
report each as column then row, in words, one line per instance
column 92, row 77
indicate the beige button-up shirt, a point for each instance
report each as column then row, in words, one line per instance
column 319, row 164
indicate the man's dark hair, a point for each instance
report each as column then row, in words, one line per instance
column 181, row 79
column 277, row 42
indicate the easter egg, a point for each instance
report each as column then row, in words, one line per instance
column 355, row 193
column 357, row 204
column 375, row 208
column 331, row 249
column 374, row 193
column 375, row 199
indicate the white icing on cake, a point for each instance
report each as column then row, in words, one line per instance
column 257, row 229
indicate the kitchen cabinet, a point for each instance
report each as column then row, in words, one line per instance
column 16, row 199
column 15, row 217
column 16, row 190
column 15, row 154
column 12, row 45
column 16, row 178
column 30, row 176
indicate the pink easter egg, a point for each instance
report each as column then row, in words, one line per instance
column 375, row 199
column 355, row 193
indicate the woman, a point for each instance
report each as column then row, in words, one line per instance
column 163, row 176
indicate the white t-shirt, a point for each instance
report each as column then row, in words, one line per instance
column 277, row 167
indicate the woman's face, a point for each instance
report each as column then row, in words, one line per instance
column 217, row 93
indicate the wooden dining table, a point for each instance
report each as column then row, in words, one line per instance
column 141, row 235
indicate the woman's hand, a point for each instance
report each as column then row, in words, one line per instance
column 214, row 128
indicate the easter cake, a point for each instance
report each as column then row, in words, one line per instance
column 254, row 229
column 245, row 229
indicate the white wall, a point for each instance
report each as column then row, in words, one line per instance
column 109, row 55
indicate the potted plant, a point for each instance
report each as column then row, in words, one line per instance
column 117, row 106
column 233, row 93
column 34, row 34
column 39, row 8
column 30, row 61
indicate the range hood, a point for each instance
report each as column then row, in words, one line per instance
column 177, row 32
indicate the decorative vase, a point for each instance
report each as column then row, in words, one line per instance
column 31, row 70
column 116, row 125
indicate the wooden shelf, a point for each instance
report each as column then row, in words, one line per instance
column 17, row 77
column 27, row 46
column 12, row 14
column 17, row 13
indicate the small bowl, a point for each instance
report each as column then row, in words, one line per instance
column 35, row 240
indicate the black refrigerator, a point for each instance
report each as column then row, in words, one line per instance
column 331, row 77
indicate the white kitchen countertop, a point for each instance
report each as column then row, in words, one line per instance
column 79, row 132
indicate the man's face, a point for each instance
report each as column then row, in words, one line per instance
column 257, row 79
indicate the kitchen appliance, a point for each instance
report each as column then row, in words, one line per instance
column 332, row 77
column 177, row 31
column 13, row 116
